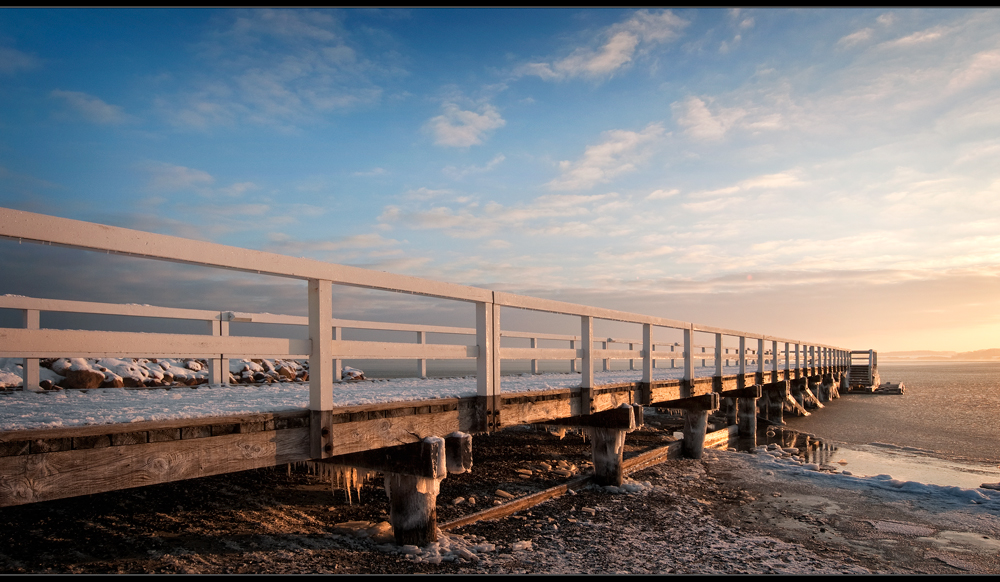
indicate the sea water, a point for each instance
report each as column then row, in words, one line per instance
column 943, row 430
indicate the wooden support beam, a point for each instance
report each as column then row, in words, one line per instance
column 810, row 400
column 707, row 402
column 425, row 458
column 755, row 391
column 621, row 418
column 29, row 478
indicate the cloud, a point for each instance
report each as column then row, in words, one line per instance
column 662, row 194
column 981, row 67
column 13, row 60
column 722, row 199
column 700, row 123
column 92, row 108
column 856, row 37
column 619, row 153
column 165, row 176
column 372, row 172
column 280, row 68
column 617, row 47
column 459, row 173
column 917, row 38
column 573, row 215
column 373, row 242
column 459, row 128
column 238, row 189
column 425, row 193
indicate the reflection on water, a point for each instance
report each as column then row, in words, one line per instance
column 903, row 463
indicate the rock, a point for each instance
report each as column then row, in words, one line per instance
column 286, row 372
column 352, row 374
column 83, row 379
column 113, row 382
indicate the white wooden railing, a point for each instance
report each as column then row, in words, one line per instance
column 325, row 346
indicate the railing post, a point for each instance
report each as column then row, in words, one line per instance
column 218, row 368
column 798, row 362
column 604, row 361
column 631, row 362
column 422, row 362
column 788, row 374
column 321, row 367
column 338, row 364
column 703, row 357
column 688, row 362
column 718, row 355
column 534, row 363
column 774, row 361
column 488, row 363
column 742, row 361
column 647, row 353
column 30, row 319
column 572, row 363
column 760, row 360
column 587, row 362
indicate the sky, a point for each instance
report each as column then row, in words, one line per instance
column 829, row 175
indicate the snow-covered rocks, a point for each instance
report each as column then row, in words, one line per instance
column 352, row 374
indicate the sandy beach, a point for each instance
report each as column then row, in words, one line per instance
column 725, row 513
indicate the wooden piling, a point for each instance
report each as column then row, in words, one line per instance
column 413, row 508
column 695, row 426
column 607, row 446
column 746, row 425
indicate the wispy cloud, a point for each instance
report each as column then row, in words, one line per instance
column 916, row 38
column 857, row 37
column 372, row 172
column 662, row 194
column 572, row 215
column 702, row 123
column 163, row 176
column 613, row 48
column 92, row 108
column 619, row 153
column 279, row 68
column 13, row 60
column 459, row 173
column 461, row 128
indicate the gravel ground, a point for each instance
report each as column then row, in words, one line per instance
column 720, row 514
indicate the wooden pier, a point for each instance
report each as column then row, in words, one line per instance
column 416, row 443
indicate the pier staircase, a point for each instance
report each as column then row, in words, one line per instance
column 863, row 371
